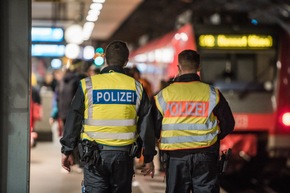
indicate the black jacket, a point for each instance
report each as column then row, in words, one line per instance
column 222, row 111
column 73, row 125
column 65, row 92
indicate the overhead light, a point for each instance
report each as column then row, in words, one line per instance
column 96, row 6
column 93, row 15
column 87, row 30
column 99, row 1
column 94, row 12
column 92, row 18
column 73, row 34
column 89, row 26
column 72, row 51
column 88, row 52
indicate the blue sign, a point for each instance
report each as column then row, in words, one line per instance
column 114, row 97
column 47, row 50
column 47, row 34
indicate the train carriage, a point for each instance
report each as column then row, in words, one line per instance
column 251, row 66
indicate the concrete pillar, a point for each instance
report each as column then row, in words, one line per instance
column 15, row 59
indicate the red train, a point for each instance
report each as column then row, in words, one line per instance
column 251, row 66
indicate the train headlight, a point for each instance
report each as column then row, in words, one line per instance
column 286, row 119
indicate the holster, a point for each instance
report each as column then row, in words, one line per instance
column 136, row 148
column 88, row 152
column 164, row 157
column 223, row 162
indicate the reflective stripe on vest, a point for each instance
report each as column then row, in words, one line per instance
column 184, row 126
column 99, row 128
column 117, row 136
column 92, row 122
column 89, row 88
column 187, row 124
column 139, row 91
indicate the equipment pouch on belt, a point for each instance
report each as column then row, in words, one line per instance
column 224, row 160
column 163, row 158
column 136, row 148
column 88, row 152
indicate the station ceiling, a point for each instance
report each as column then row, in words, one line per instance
column 137, row 21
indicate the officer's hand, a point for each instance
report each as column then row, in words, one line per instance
column 148, row 169
column 67, row 161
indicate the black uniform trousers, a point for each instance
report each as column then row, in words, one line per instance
column 112, row 174
column 196, row 173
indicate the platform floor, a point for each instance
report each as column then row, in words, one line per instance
column 47, row 175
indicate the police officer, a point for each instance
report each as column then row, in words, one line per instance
column 191, row 118
column 109, row 111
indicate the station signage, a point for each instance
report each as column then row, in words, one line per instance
column 243, row 41
column 47, row 34
column 47, row 50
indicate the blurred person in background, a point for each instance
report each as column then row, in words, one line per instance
column 191, row 118
column 54, row 120
column 135, row 73
column 49, row 82
column 128, row 71
column 93, row 70
column 36, row 113
column 68, row 82
column 64, row 93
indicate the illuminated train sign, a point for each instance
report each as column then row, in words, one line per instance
column 245, row 41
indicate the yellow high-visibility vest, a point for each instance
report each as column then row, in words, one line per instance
column 111, row 103
column 188, row 119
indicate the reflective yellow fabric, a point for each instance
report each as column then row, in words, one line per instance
column 188, row 121
column 111, row 108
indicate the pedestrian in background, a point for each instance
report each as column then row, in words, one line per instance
column 66, row 87
column 93, row 70
column 145, row 83
column 191, row 119
column 36, row 111
column 135, row 73
column 108, row 113
column 64, row 93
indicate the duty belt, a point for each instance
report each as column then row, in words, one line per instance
column 114, row 148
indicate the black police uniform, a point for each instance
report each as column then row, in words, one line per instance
column 113, row 171
column 195, row 163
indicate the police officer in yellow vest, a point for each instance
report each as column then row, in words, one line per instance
column 191, row 118
column 109, row 111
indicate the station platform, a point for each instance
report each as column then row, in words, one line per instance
column 47, row 175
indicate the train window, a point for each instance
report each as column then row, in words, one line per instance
column 237, row 71
column 241, row 77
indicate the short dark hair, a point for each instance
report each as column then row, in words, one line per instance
column 189, row 59
column 117, row 53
